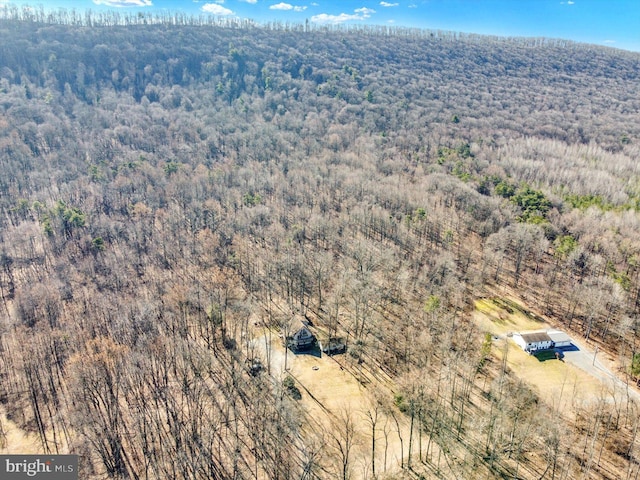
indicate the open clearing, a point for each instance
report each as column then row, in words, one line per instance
column 558, row 383
column 562, row 384
column 329, row 388
column 503, row 316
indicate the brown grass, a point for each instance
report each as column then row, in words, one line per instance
column 559, row 384
column 331, row 385
column 502, row 316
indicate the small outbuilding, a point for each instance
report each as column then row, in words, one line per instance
column 333, row 346
column 533, row 341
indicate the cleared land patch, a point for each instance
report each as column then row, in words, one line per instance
column 502, row 316
column 14, row 440
column 332, row 387
column 559, row 384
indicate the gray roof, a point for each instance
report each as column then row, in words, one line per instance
column 302, row 334
column 535, row 337
column 558, row 336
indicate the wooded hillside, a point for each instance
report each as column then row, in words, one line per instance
column 174, row 191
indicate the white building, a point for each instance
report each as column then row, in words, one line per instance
column 541, row 340
column 533, row 341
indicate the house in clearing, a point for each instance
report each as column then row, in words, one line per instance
column 533, row 341
column 541, row 340
column 301, row 338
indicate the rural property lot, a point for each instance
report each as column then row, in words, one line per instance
column 561, row 383
column 331, row 388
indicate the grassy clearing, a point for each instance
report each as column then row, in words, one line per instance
column 331, row 386
column 14, row 440
column 559, row 384
column 500, row 316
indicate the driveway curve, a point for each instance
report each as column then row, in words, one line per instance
column 587, row 360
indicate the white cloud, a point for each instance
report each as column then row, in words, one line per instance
column 124, row 3
column 413, row 5
column 286, row 6
column 250, row 1
column 359, row 14
column 281, row 6
column 387, row 4
column 326, row 18
column 366, row 12
column 570, row 2
column 216, row 9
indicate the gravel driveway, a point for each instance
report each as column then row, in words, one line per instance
column 587, row 360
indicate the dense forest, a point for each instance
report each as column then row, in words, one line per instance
column 176, row 191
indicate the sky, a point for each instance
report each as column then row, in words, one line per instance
column 614, row 23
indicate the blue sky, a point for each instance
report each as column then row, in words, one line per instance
column 614, row 23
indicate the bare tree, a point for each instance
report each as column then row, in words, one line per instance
column 344, row 439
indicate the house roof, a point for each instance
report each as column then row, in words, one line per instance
column 558, row 336
column 300, row 330
column 535, row 337
column 302, row 333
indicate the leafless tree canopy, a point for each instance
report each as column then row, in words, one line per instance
column 175, row 190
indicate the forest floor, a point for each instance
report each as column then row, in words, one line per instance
column 14, row 440
column 563, row 384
